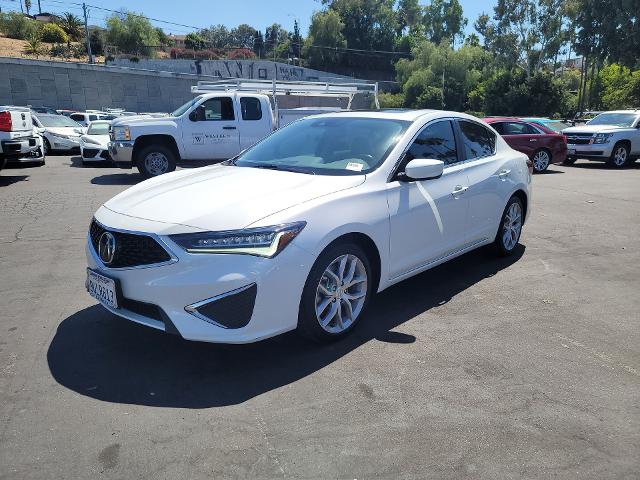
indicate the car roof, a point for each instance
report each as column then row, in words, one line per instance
column 398, row 114
column 502, row 119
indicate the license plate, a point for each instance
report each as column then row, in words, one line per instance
column 571, row 151
column 102, row 289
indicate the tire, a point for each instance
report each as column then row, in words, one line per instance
column 46, row 146
column 155, row 160
column 510, row 228
column 541, row 160
column 321, row 287
column 619, row 155
column 569, row 160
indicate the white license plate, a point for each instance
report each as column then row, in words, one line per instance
column 102, row 289
column 571, row 151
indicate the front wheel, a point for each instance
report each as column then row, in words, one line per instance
column 336, row 292
column 619, row 155
column 510, row 229
column 155, row 160
column 541, row 161
column 46, row 146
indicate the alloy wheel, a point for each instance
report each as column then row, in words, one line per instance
column 156, row 163
column 341, row 293
column 620, row 156
column 512, row 226
column 541, row 161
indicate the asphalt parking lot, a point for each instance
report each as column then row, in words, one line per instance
column 481, row 368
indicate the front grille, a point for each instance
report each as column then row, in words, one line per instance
column 132, row 250
column 148, row 310
column 579, row 138
column 105, row 155
column 89, row 152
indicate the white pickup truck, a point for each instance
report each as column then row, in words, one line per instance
column 224, row 119
column 18, row 140
column 612, row 137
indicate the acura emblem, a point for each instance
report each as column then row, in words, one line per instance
column 107, row 247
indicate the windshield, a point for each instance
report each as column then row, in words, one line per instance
column 57, row 121
column 556, row 126
column 184, row 108
column 98, row 129
column 327, row 146
column 617, row 119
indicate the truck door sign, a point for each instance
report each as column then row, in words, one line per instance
column 198, row 138
column 204, row 138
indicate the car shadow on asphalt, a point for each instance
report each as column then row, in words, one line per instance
column 6, row 180
column 102, row 356
column 117, row 179
column 586, row 164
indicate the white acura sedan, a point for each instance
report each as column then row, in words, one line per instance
column 300, row 230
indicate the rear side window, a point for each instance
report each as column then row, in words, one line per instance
column 77, row 117
column 93, row 117
column 436, row 141
column 518, row 128
column 478, row 141
column 498, row 127
column 251, row 109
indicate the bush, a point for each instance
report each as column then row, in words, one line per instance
column 60, row 50
column 18, row 26
column 241, row 54
column 391, row 100
column 210, row 54
column 52, row 33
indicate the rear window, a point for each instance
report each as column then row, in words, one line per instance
column 478, row 141
column 78, row 117
column 251, row 109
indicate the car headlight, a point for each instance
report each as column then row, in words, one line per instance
column 90, row 140
column 602, row 137
column 262, row 241
column 121, row 133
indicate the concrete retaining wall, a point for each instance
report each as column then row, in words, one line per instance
column 80, row 86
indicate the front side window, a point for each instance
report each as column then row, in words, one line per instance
column 216, row 109
column 437, row 142
column 251, row 109
column 339, row 145
column 93, row 117
column 478, row 141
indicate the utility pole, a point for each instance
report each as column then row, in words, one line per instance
column 39, row 9
column 86, row 32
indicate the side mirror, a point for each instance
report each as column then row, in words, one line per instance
column 193, row 116
column 424, row 169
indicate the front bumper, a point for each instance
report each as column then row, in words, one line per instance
column 596, row 151
column 122, row 153
column 178, row 288
column 94, row 153
column 65, row 144
column 23, row 150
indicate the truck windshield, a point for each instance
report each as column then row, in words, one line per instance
column 184, row 108
column 341, row 145
column 617, row 119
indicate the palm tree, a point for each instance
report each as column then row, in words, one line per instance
column 33, row 46
column 72, row 25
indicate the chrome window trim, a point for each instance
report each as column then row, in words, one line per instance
column 156, row 237
column 193, row 308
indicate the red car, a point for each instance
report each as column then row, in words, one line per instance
column 542, row 145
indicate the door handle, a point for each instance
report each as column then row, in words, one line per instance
column 228, row 128
column 459, row 190
column 504, row 173
column 533, row 139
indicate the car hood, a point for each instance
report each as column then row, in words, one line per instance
column 103, row 140
column 137, row 120
column 224, row 197
column 591, row 129
column 69, row 131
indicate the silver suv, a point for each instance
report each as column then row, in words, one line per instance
column 613, row 137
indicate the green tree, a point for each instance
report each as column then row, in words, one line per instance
column 296, row 40
column 217, row 36
column 16, row 25
column 52, row 33
column 242, row 36
column 132, row 33
column 409, row 17
column 27, row 5
column 194, row 41
column 72, row 25
column 96, row 39
column 325, row 40
column 444, row 21
column 274, row 37
column 258, row 44
column 620, row 87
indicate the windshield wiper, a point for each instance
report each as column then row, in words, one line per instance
column 283, row 168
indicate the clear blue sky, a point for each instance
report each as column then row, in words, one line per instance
column 201, row 13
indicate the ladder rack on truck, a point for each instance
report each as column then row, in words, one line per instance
column 281, row 87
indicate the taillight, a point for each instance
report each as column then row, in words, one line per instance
column 5, row 122
column 530, row 166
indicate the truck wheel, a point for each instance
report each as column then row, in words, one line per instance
column 619, row 155
column 155, row 160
